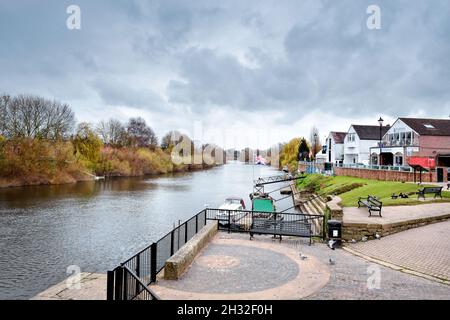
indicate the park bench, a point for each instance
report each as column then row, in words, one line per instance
column 281, row 227
column 437, row 191
column 372, row 203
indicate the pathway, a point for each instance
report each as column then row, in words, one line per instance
column 425, row 249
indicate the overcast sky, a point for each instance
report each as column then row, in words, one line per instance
column 254, row 72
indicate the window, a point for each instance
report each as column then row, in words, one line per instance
column 398, row 159
column 429, row 126
column 351, row 137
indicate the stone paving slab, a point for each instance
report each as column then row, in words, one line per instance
column 235, row 268
column 349, row 275
column 396, row 214
column 91, row 286
column 425, row 249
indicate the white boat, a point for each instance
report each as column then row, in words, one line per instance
column 231, row 210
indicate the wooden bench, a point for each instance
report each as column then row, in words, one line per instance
column 437, row 191
column 372, row 203
column 280, row 227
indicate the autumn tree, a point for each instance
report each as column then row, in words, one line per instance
column 140, row 135
column 87, row 145
column 289, row 154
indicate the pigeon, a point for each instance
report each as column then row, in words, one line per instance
column 353, row 241
column 332, row 261
column 331, row 244
column 302, row 256
column 377, row 236
column 364, row 239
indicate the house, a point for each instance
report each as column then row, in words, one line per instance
column 334, row 147
column 358, row 143
column 412, row 138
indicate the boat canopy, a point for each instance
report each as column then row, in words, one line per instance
column 264, row 205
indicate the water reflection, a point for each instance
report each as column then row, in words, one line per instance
column 96, row 225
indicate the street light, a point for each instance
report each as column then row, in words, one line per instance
column 380, row 121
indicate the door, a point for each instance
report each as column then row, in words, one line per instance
column 440, row 174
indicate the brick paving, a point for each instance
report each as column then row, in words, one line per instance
column 347, row 278
column 425, row 249
column 394, row 214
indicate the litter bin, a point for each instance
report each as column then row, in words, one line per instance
column 335, row 231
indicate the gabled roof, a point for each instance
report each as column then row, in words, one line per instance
column 338, row 137
column 369, row 132
column 428, row 127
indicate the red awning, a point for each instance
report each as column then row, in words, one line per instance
column 428, row 163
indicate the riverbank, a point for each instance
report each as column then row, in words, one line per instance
column 64, row 178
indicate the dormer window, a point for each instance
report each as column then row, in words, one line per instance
column 429, row 126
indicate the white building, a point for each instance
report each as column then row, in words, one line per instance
column 334, row 151
column 358, row 143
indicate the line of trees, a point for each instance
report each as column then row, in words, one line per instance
column 40, row 142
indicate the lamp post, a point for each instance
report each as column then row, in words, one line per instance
column 380, row 121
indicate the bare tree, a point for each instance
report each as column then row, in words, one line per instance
column 35, row 117
column 170, row 139
column 314, row 139
column 141, row 135
column 112, row 132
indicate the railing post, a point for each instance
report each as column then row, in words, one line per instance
column 138, row 266
column 185, row 232
column 229, row 221
column 153, row 257
column 110, row 286
column 118, row 283
column 196, row 224
column 323, row 227
column 125, row 284
column 172, row 242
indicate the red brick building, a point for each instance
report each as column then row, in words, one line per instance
column 412, row 139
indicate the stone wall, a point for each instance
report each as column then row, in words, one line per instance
column 384, row 175
column 177, row 264
column 357, row 231
column 335, row 210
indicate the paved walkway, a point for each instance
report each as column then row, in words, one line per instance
column 425, row 249
column 394, row 214
column 89, row 286
column 233, row 267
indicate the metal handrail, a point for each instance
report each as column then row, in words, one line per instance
column 145, row 288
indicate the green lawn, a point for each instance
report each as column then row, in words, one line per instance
column 350, row 189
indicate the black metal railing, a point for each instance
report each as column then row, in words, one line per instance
column 127, row 286
column 148, row 262
column 304, row 225
column 130, row 280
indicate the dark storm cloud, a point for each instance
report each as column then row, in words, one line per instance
column 291, row 56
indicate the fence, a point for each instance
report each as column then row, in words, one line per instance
column 140, row 270
column 131, row 279
column 276, row 223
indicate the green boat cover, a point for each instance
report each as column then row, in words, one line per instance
column 264, row 205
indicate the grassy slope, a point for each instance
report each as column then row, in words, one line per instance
column 350, row 189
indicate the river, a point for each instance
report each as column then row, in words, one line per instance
column 96, row 225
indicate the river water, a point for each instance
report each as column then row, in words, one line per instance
column 97, row 225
